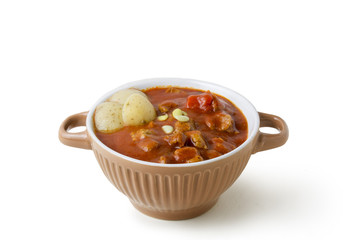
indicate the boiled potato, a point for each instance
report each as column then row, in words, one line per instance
column 138, row 110
column 123, row 94
column 108, row 117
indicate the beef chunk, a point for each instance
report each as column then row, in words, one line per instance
column 140, row 134
column 221, row 146
column 177, row 139
column 184, row 126
column 166, row 105
column 173, row 90
column 163, row 159
column 197, row 139
column 220, row 121
column 187, row 155
column 212, row 153
column 147, row 144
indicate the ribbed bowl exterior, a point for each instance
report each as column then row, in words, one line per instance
column 172, row 192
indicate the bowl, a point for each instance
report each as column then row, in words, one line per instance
column 176, row 191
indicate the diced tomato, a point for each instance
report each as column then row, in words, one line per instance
column 202, row 102
column 192, row 102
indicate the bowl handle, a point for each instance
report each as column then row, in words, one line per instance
column 267, row 141
column 79, row 139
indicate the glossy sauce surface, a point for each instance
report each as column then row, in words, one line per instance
column 207, row 111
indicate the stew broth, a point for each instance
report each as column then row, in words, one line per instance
column 216, row 126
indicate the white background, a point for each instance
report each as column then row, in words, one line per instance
column 296, row 59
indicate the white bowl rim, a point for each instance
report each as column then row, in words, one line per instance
column 90, row 127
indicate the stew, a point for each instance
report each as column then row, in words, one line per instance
column 191, row 125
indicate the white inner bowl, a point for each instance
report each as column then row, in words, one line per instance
column 241, row 102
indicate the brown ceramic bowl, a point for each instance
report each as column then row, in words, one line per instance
column 176, row 191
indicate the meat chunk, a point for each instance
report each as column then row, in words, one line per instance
column 141, row 134
column 184, row 126
column 166, row 105
column 212, row 154
column 143, row 139
column 187, row 155
column 173, row 90
column 147, row 144
column 197, row 139
column 177, row 139
column 163, row 159
column 221, row 146
column 220, row 121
